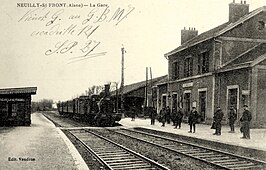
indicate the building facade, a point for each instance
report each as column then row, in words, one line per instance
column 221, row 67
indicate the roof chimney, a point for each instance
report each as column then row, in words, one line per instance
column 237, row 10
column 186, row 35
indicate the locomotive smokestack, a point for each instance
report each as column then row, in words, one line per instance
column 107, row 90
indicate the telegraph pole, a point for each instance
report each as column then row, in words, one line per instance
column 122, row 80
column 151, row 89
column 146, row 89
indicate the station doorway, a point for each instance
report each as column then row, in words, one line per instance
column 202, row 105
column 232, row 99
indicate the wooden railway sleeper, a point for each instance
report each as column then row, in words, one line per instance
column 125, row 162
column 226, row 160
column 202, row 154
column 129, row 167
column 239, row 165
column 128, row 164
column 255, row 167
column 217, row 158
column 109, row 151
column 119, row 157
column 122, row 160
column 113, row 153
column 234, row 163
column 103, row 155
column 191, row 151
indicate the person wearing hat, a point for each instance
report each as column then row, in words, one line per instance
column 245, row 120
column 193, row 119
column 232, row 116
column 162, row 116
column 217, row 118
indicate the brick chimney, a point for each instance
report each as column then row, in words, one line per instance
column 237, row 10
column 188, row 34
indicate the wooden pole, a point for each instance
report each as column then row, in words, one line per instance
column 146, row 89
column 122, row 80
column 151, row 88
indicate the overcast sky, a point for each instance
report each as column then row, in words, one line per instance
column 62, row 66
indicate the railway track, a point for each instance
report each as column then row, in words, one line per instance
column 112, row 155
column 62, row 121
column 214, row 157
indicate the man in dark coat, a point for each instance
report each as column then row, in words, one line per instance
column 168, row 115
column 162, row 116
column 245, row 120
column 179, row 118
column 133, row 112
column 173, row 116
column 217, row 118
column 193, row 119
column 153, row 116
column 232, row 118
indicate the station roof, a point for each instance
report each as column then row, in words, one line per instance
column 21, row 90
column 215, row 32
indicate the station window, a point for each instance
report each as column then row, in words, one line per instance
column 188, row 68
column 261, row 25
column 175, row 72
column 203, row 63
column 174, row 101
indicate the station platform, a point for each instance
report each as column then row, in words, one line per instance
column 256, row 146
column 39, row 146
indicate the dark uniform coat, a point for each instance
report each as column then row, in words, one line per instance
column 245, row 119
column 193, row 117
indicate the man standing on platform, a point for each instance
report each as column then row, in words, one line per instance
column 245, row 120
column 179, row 118
column 193, row 119
column 174, row 116
column 162, row 116
column 217, row 118
column 168, row 115
column 232, row 116
column 153, row 116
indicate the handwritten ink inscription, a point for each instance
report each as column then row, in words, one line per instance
column 77, row 30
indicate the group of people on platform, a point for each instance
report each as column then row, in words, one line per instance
column 176, row 115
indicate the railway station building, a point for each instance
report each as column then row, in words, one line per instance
column 15, row 106
column 223, row 66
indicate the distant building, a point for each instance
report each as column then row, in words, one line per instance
column 221, row 67
column 135, row 95
column 15, row 106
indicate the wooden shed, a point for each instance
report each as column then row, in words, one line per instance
column 15, row 106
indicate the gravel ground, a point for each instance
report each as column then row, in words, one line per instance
column 162, row 156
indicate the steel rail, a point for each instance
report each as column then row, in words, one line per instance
column 215, row 163
column 152, row 162
column 91, row 151
column 195, row 145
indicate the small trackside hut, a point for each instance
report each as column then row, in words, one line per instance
column 15, row 106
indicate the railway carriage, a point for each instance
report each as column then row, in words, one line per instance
column 95, row 109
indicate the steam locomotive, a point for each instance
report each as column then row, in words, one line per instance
column 97, row 110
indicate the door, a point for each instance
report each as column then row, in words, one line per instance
column 187, row 103
column 174, row 102
column 164, row 101
column 202, row 105
column 233, row 99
